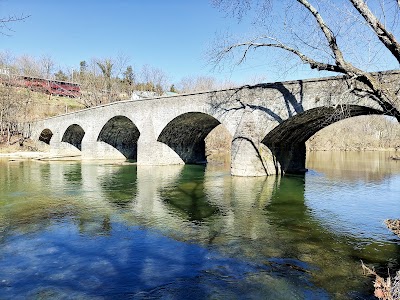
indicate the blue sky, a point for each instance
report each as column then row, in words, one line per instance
column 172, row 35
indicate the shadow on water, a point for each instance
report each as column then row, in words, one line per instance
column 187, row 196
column 147, row 232
column 120, row 187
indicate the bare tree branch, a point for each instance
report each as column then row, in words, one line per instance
column 386, row 37
column 327, row 32
column 5, row 21
column 384, row 97
column 254, row 45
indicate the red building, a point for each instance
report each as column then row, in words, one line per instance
column 51, row 87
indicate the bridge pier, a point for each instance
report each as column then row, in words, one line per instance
column 100, row 150
column 59, row 148
column 291, row 158
column 151, row 152
column 250, row 158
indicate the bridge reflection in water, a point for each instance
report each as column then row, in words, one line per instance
column 102, row 229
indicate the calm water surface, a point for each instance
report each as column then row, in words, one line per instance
column 71, row 230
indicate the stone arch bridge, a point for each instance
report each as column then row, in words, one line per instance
column 269, row 124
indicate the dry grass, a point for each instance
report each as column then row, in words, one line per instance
column 17, row 144
column 389, row 288
column 385, row 289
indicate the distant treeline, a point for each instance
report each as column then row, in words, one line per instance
column 106, row 80
column 358, row 133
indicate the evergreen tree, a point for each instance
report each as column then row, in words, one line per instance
column 173, row 89
column 129, row 77
column 61, row 76
column 82, row 66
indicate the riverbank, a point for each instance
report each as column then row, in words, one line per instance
column 214, row 156
column 36, row 155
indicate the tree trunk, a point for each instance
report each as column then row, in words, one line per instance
column 8, row 134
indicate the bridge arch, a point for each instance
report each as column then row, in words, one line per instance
column 185, row 135
column 122, row 134
column 74, row 135
column 45, row 136
column 287, row 140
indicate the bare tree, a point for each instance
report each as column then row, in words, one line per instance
column 100, row 80
column 196, row 84
column 322, row 43
column 192, row 84
column 106, row 67
column 14, row 109
column 46, row 64
column 358, row 133
column 6, row 59
column 153, row 80
column 28, row 66
column 92, row 84
column 121, row 62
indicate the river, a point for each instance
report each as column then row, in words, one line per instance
column 96, row 230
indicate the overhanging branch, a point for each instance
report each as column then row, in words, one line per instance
column 320, row 66
column 385, row 36
column 326, row 31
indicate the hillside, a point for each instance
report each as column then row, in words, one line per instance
column 20, row 105
column 43, row 106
